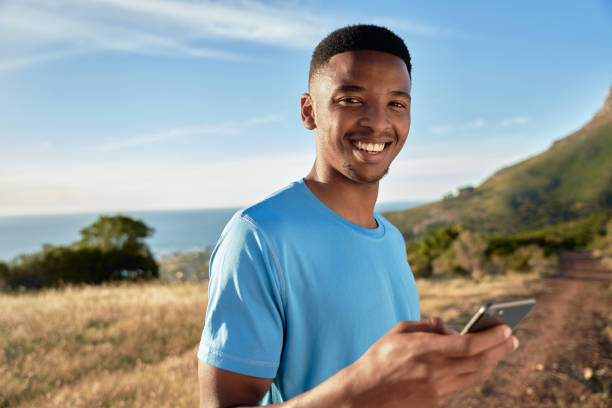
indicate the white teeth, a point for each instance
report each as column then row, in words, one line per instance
column 370, row 147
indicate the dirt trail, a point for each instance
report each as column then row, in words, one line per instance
column 565, row 354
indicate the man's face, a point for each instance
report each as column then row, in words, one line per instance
column 359, row 106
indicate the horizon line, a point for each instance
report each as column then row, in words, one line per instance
column 119, row 211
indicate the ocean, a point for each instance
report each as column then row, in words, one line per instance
column 176, row 231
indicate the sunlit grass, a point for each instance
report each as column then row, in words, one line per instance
column 98, row 346
column 456, row 299
column 135, row 345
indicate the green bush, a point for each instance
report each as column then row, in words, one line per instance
column 428, row 248
column 455, row 250
column 579, row 234
column 112, row 248
column 603, row 245
column 4, row 273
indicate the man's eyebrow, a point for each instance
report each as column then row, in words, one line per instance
column 357, row 88
column 350, row 88
column 401, row 94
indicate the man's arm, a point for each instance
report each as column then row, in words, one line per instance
column 415, row 364
column 221, row 388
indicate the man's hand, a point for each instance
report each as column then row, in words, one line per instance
column 415, row 364
column 421, row 363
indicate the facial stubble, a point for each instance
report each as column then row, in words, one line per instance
column 351, row 175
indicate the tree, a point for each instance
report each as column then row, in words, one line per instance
column 112, row 248
column 116, row 233
column 121, row 241
column 4, row 274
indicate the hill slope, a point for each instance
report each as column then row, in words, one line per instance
column 573, row 178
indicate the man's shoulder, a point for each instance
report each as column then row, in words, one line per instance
column 278, row 209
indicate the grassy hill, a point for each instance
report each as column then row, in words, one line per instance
column 572, row 179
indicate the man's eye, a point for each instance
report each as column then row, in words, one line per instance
column 398, row 105
column 348, row 100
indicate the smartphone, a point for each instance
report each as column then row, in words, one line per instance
column 509, row 312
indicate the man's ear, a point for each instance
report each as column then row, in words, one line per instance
column 307, row 110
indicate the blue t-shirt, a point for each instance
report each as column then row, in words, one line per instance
column 297, row 292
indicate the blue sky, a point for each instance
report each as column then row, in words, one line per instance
column 109, row 105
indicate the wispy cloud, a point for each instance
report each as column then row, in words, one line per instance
column 33, row 31
column 169, row 134
column 27, row 60
column 260, row 120
column 477, row 124
column 448, row 129
column 517, row 120
column 220, row 129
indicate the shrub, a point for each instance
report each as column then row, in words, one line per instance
column 110, row 249
column 431, row 246
column 453, row 250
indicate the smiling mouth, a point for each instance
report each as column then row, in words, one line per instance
column 372, row 148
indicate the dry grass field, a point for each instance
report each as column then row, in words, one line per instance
column 109, row 346
column 135, row 345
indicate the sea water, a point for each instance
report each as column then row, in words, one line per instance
column 176, row 231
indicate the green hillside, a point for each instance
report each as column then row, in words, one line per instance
column 572, row 179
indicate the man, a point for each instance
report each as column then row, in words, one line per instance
column 311, row 300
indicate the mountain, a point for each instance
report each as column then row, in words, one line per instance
column 572, row 179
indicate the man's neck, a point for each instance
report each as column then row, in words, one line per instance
column 352, row 201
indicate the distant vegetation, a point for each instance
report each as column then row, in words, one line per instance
column 585, row 233
column 603, row 245
column 454, row 249
column 112, row 248
column 190, row 266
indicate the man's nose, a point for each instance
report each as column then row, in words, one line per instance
column 375, row 117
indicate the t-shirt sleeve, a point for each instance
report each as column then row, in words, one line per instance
column 243, row 330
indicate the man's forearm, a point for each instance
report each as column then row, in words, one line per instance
column 335, row 392
column 412, row 366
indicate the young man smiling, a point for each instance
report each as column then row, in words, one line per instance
column 311, row 300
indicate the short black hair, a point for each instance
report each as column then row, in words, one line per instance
column 355, row 38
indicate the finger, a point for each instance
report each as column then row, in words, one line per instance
column 441, row 327
column 453, row 383
column 472, row 343
column 432, row 325
column 452, row 366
